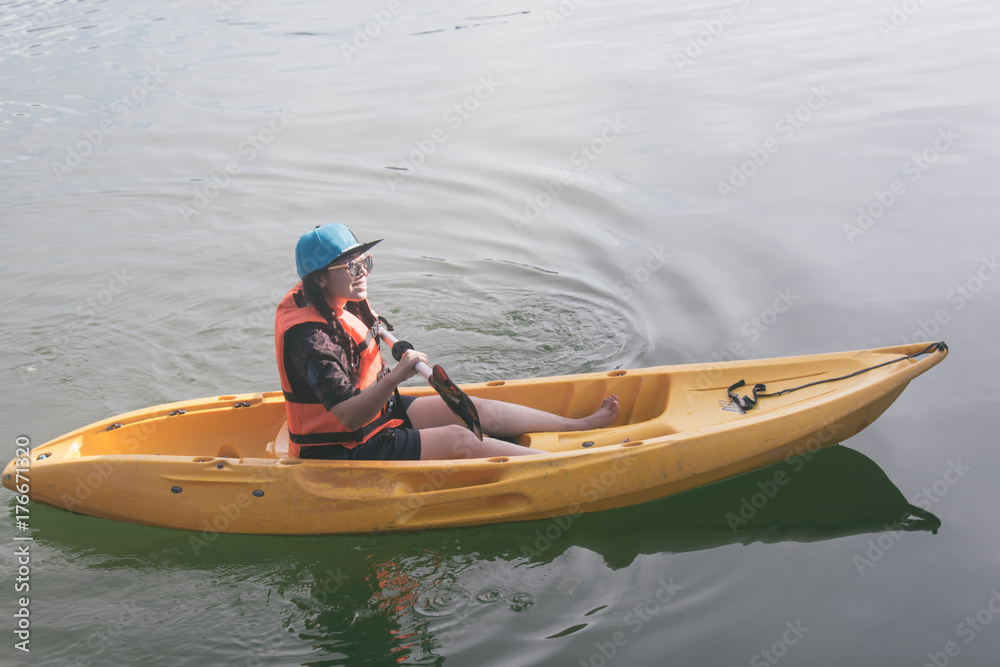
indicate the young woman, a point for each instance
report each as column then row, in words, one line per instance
column 342, row 401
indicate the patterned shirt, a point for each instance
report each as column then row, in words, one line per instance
column 320, row 362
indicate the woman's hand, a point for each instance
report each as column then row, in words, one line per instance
column 406, row 368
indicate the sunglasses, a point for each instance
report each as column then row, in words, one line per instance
column 355, row 265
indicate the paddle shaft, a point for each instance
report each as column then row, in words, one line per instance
column 456, row 399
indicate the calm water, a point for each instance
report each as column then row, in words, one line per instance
column 563, row 187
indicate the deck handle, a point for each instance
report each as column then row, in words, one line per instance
column 746, row 403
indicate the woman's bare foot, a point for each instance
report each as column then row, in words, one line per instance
column 603, row 416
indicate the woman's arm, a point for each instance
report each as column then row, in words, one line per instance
column 322, row 365
column 360, row 409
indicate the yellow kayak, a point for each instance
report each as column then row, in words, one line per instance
column 220, row 465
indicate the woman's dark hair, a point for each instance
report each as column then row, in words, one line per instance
column 314, row 295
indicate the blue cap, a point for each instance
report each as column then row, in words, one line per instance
column 325, row 245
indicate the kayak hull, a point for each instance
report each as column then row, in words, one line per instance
column 216, row 465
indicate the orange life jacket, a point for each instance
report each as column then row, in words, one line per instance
column 309, row 423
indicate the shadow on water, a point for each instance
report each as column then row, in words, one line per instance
column 832, row 492
column 409, row 596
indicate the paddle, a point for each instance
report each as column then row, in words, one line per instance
column 454, row 398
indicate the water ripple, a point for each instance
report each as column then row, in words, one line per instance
column 519, row 327
column 442, row 601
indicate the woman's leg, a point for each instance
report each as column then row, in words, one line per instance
column 457, row 442
column 507, row 420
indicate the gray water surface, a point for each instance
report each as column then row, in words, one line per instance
column 562, row 187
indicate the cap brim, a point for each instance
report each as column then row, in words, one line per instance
column 353, row 250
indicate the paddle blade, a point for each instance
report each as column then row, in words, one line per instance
column 457, row 400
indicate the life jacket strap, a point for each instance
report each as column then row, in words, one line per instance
column 399, row 411
column 300, row 397
column 344, row 437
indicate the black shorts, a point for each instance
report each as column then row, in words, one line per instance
column 391, row 444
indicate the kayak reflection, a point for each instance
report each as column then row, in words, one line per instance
column 832, row 492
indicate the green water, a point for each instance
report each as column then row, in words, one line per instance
column 563, row 187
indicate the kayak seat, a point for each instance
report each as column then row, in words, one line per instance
column 278, row 448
